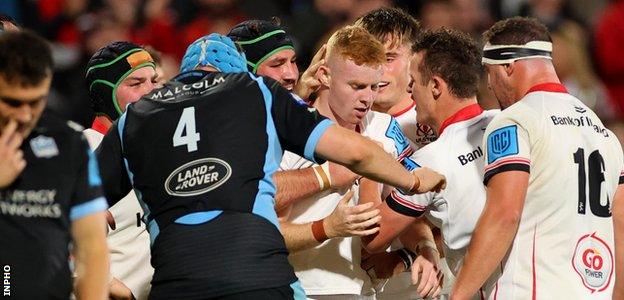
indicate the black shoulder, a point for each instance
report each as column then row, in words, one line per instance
column 52, row 124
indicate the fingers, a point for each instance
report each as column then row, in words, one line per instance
column 368, row 223
column 360, row 208
column 314, row 67
column 416, row 271
column 8, row 131
column 320, row 54
column 19, row 163
column 365, row 232
column 427, row 276
column 430, row 285
column 347, row 197
column 14, row 142
column 363, row 216
column 438, row 290
column 110, row 220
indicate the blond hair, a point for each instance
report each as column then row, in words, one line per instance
column 356, row 44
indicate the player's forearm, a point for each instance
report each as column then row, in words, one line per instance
column 380, row 166
column 376, row 243
column 293, row 185
column 91, row 253
column 92, row 281
column 298, row 236
column 419, row 239
column 369, row 191
column 363, row 156
column 490, row 241
column 390, row 227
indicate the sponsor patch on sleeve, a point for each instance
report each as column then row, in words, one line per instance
column 502, row 142
column 395, row 133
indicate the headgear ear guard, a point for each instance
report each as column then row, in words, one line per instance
column 216, row 51
column 260, row 39
column 107, row 68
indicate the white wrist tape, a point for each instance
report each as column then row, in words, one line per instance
column 322, row 175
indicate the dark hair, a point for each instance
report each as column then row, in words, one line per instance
column 452, row 55
column 25, row 58
column 516, row 31
column 390, row 23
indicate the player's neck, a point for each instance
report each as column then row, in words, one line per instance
column 322, row 105
column 394, row 108
column 448, row 109
column 543, row 73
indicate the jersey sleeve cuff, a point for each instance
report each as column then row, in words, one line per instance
column 399, row 204
column 87, row 208
column 313, row 139
column 511, row 164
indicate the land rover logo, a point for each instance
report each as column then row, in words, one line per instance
column 197, row 177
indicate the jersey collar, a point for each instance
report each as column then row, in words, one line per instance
column 99, row 126
column 399, row 113
column 552, row 87
column 463, row 114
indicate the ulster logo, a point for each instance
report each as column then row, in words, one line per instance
column 593, row 262
column 197, row 177
column 502, row 142
column 424, row 135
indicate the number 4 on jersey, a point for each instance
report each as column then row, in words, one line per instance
column 186, row 125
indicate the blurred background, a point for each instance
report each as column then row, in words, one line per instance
column 588, row 35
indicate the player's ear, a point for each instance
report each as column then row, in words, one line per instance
column 438, row 86
column 323, row 74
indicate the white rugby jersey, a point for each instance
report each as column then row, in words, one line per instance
column 458, row 155
column 564, row 245
column 418, row 134
column 333, row 267
column 129, row 243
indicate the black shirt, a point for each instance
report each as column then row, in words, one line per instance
column 204, row 144
column 60, row 184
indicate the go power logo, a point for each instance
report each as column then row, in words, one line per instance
column 593, row 262
column 197, row 177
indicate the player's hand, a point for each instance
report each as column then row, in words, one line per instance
column 110, row 220
column 12, row 161
column 426, row 277
column 308, row 83
column 385, row 264
column 430, row 180
column 341, row 177
column 119, row 291
column 345, row 220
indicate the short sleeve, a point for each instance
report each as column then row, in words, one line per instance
column 116, row 182
column 411, row 206
column 290, row 161
column 507, row 147
column 87, row 194
column 401, row 145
